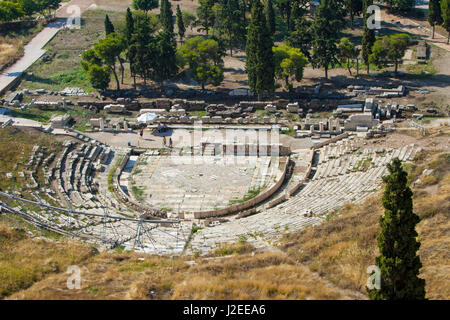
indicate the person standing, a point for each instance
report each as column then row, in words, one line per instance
column 164, row 141
column 170, row 143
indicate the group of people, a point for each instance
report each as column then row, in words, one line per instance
column 160, row 128
column 165, row 142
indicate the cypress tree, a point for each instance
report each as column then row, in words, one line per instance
column 259, row 64
column 326, row 26
column 166, row 16
column 445, row 9
column 368, row 38
column 398, row 259
column 109, row 27
column 180, row 23
column 270, row 16
column 131, row 54
column 434, row 14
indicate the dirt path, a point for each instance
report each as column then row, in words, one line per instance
column 414, row 27
column 34, row 49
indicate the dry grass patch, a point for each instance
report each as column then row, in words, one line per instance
column 24, row 261
column 262, row 276
column 12, row 43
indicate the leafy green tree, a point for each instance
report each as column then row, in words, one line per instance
column 188, row 19
column 145, row 5
column 270, row 16
column 445, row 9
column 10, row 11
column 389, row 49
column 109, row 27
column 205, row 15
column 29, row 7
column 397, row 242
column 368, row 38
column 99, row 76
column 434, row 14
column 204, row 57
column 326, row 27
column 347, row 51
column 260, row 62
column 289, row 62
column 49, row 5
column 166, row 16
column 180, row 23
column 109, row 50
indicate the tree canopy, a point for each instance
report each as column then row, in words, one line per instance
column 289, row 62
column 204, row 58
column 389, row 49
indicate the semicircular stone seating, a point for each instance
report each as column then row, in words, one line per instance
column 346, row 172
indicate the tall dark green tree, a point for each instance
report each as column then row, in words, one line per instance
column 109, row 27
column 142, row 47
column 145, row 5
column 285, row 9
column 180, row 23
column 301, row 35
column 326, row 27
column 166, row 16
column 229, row 24
column 164, row 65
column 270, row 15
column 368, row 38
column 260, row 62
column 205, row 15
column 434, row 14
column 397, row 242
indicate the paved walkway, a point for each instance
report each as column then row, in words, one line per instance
column 33, row 50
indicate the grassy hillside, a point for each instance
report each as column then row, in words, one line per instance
column 324, row 262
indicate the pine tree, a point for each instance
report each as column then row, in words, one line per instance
column 166, row 16
column 270, row 16
column 205, row 15
column 368, row 38
column 145, row 5
column 326, row 27
column 260, row 63
column 164, row 64
column 180, row 23
column 109, row 27
column 301, row 35
column 228, row 23
column 445, row 9
column 434, row 14
column 142, row 48
column 398, row 259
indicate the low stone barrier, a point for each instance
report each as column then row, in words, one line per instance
column 332, row 140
